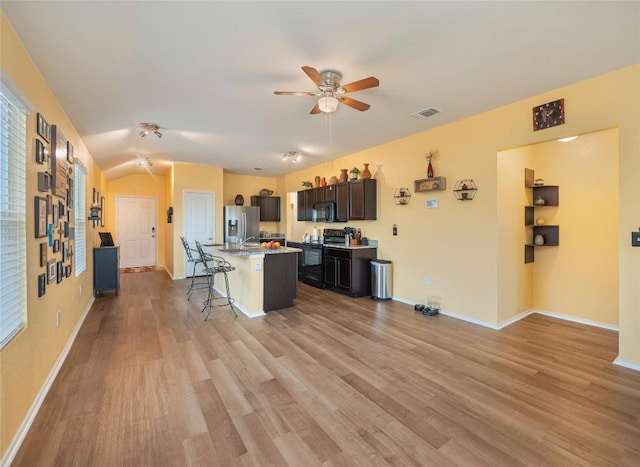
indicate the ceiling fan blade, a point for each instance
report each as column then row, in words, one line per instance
column 361, row 106
column 314, row 75
column 370, row 82
column 287, row 93
column 315, row 110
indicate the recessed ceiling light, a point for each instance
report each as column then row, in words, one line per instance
column 257, row 168
column 567, row 139
column 428, row 112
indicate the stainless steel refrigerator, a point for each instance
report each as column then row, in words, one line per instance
column 241, row 223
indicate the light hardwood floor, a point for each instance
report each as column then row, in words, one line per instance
column 333, row 381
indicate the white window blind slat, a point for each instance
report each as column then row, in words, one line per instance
column 13, row 153
column 80, row 252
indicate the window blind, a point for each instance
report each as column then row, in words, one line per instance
column 80, row 217
column 13, row 216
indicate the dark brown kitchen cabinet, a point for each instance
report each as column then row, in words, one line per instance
column 363, row 200
column 306, row 200
column 340, row 194
column 269, row 207
column 348, row 270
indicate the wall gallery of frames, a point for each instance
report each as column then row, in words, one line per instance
column 54, row 206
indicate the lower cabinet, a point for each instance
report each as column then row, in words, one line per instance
column 106, row 272
column 348, row 270
column 280, row 280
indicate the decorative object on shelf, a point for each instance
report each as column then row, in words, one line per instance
column 538, row 240
column 239, row 200
column 539, row 201
column 353, row 175
column 539, row 221
column 366, row 173
column 429, row 184
column 432, row 154
column 265, row 192
column 169, row 215
column 465, row 190
column 324, row 181
column 343, row 175
column 402, row 196
column 306, row 185
column 333, row 180
column 548, row 115
column 317, row 181
column 539, row 182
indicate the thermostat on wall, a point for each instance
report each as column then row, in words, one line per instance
column 431, row 203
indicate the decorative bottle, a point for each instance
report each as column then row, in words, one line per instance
column 429, row 168
column 366, row 173
column 343, row 175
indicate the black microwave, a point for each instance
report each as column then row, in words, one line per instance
column 324, row 211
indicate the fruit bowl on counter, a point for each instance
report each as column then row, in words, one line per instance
column 271, row 245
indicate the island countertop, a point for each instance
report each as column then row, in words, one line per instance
column 251, row 251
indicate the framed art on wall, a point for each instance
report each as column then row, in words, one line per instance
column 59, row 272
column 70, row 152
column 43, row 128
column 42, row 284
column 43, row 254
column 51, row 271
column 59, row 165
column 42, row 153
column 41, row 211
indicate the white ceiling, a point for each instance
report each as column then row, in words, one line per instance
column 206, row 71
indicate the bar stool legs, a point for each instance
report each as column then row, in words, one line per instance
column 210, row 302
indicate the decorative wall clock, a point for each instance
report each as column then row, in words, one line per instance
column 548, row 115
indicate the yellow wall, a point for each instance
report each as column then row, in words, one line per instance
column 249, row 186
column 456, row 245
column 588, row 230
column 27, row 361
column 141, row 184
column 197, row 178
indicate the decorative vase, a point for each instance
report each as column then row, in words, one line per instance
column 429, row 169
column 333, row 180
column 343, row 175
column 317, row 181
column 539, row 240
column 539, row 221
column 239, row 200
column 539, row 201
column 366, row 173
column 324, row 181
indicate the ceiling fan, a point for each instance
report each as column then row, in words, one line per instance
column 331, row 93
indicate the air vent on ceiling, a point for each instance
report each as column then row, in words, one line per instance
column 428, row 112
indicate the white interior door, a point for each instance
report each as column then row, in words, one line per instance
column 137, row 222
column 199, row 222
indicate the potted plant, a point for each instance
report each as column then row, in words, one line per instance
column 306, row 185
column 353, row 175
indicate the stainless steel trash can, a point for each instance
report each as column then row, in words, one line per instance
column 380, row 279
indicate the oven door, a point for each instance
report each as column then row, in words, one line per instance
column 312, row 271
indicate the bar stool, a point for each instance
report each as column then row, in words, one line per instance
column 219, row 266
column 194, row 260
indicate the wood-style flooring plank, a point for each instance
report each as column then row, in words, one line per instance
column 331, row 381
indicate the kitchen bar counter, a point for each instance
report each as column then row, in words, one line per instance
column 264, row 280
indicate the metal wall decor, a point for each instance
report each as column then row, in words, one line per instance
column 465, row 190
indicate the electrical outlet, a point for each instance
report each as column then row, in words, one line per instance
column 395, row 230
column 58, row 318
column 427, row 281
column 80, row 290
column 258, row 267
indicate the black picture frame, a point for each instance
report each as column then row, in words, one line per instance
column 51, row 271
column 70, row 152
column 56, row 245
column 42, row 284
column 42, row 153
column 43, row 254
column 43, row 128
column 44, row 181
column 59, row 272
column 66, row 229
column 54, row 214
column 40, row 213
column 67, row 270
column 102, row 201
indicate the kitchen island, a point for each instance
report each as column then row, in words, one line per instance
column 265, row 279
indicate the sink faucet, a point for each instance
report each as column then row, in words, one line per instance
column 241, row 243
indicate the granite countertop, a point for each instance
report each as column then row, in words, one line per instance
column 348, row 247
column 253, row 251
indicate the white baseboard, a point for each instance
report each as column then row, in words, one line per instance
column 575, row 319
column 469, row 320
column 42, row 394
column 627, row 364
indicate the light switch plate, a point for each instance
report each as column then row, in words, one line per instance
column 635, row 238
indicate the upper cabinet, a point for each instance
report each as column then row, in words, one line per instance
column 354, row 200
column 269, row 207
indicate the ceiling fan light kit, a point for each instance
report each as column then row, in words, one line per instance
column 146, row 128
column 292, row 156
column 144, row 162
column 331, row 93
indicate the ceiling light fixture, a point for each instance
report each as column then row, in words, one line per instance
column 567, row 139
column 292, row 156
column 143, row 162
column 146, row 128
column 328, row 104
